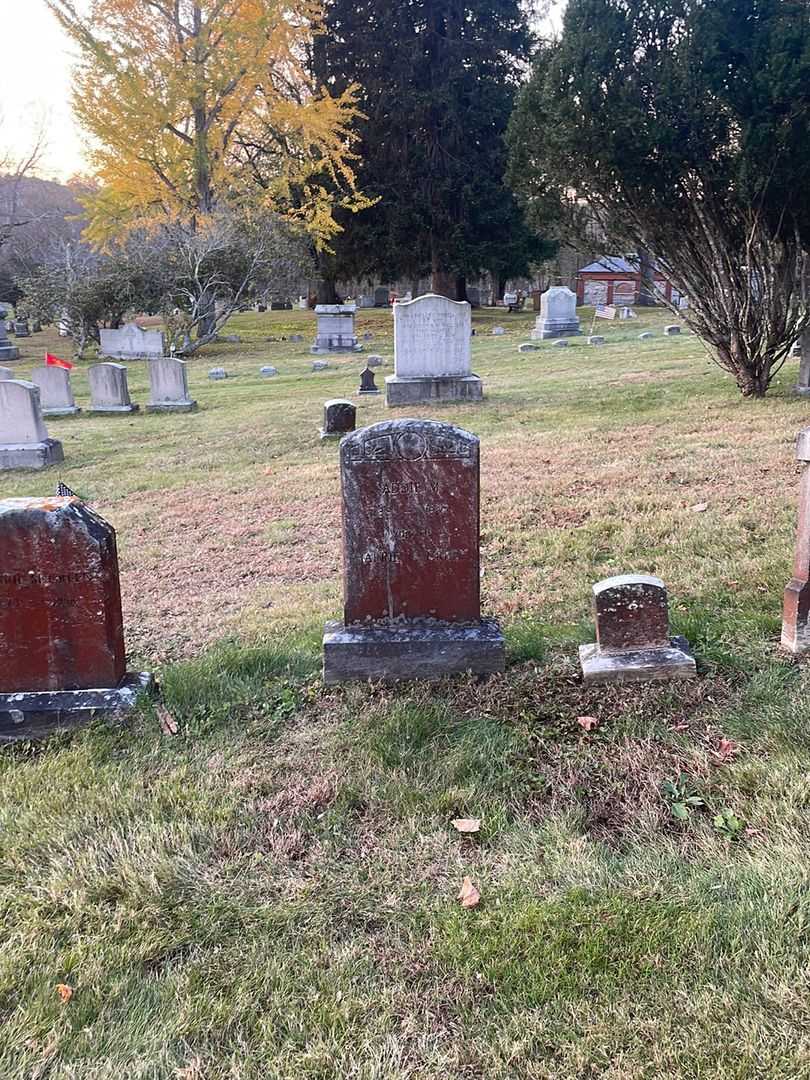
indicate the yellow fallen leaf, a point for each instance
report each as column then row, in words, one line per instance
column 466, row 824
column 469, row 895
column 64, row 991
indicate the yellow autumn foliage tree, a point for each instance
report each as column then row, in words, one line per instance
column 189, row 104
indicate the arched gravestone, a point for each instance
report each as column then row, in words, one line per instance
column 55, row 391
column 558, row 313
column 109, row 390
column 61, row 627
column 168, row 386
column 411, row 577
column 24, row 442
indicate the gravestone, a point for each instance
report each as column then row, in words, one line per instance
column 319, row 365
column 7, row 350
column 55, row 392
column 24, row 442
column 374, row 361
column 411, row 573
column 21, row 328
column 132, row 343
column 432, row 353
column 498, row 331
column 168, row 384
column 527, row 346
column 473, row 296
column 367, row 383
column 803, row 384
column 296, row 337
column 796, row 609
column 109, row 392
column 6, row 373
column 268, row 371
column 645, row 335
column 381, row 295
column 632, row 634
column 60, row 618
column 596, row 339
column 339, row 417
column 561, row 343
column 217, row 373
column 335, row 331
column 672, row 329
column 558, row 314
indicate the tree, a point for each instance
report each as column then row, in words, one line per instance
column 194, row 105
column 684, row 125
column 438, row 80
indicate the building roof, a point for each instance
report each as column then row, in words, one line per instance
column 610, row 264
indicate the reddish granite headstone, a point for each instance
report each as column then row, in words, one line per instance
column 60, row 602
column 796, row 610
column 410, row 522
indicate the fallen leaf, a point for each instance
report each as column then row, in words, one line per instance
column 698, row 508
column 168, row 724
column 469, row 895
column 64, row 991
column 725, row 750
column 587, row 723
column 466, row 824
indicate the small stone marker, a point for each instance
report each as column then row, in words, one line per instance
column 558, row 313
column 55, row 393
column 268, row 371
column 24, row 442
column 645, row 335
column 527, row 346
column 374, row 361
column 561, row 343
column 367, row 383
column 217, row 373
column 381, row 296
column 796, row 609
column 411, row 580
column 319, row 365
column 132, row 343
column 632, row 634
column 497, row 331
column 368, row 336
column 339, row 417
column 168, row 382
column 109, row 391
column 432, row 352
column 296, row 337
column 596, row 339
column 60, row 618
column 672, row 329
column 7, row 350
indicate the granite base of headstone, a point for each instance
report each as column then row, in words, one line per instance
column 55, row 392
column 168, row 387
column 411, row 570
column 109, row 390
column 367, row 384
column 24, row 441
column 432, row 353
column 63, row 658
column 558, row 314
column 632, row 634
column 796, row 608
column 335, row 329
column 339, row 418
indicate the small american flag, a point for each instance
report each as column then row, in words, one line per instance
column 605, row 311
column 64, row 492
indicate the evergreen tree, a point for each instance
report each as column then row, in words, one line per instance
column 438, row 80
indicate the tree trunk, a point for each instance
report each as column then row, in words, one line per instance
column 646, row 293
column 202, row 163
column 501, row 288
column 461, row 287
column 326, row 292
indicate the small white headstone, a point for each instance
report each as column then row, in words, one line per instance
column 217, row 373
column 268, row 371
column 24, row 442
column 528, row 346
column 558, row 313
column 319, row 365
column 109, row 392
column 55, row 392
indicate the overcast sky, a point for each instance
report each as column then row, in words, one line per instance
column 35, row 83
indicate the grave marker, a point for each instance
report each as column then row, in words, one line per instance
column 168, row 384
column 367, row 383
column 339, row 418
column 335, row 331
column 24, row 442
column 411, row 577
column 632, row 634
column 109, row 391
column 55, row 393
column 60, row 617
column 796, row 609
column 132, row 343
column 7, row 350
column 558, row 314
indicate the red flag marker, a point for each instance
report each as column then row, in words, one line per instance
column 54, row 361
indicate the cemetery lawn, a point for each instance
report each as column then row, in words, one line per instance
column 271, row 891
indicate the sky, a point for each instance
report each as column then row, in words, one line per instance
column 35, row 86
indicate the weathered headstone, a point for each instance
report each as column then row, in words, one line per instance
column 24, row 442
column 21, row 328
column 319, row 365
column 796, row 610
column 431, row 352
column 339, row 418
column 7, row 350
column 561, row 343
column 367, row 383
column 803, row 383
column 381, row 295
column 217, row 373
column 411, row 574
column 632, row 634
column 374, row 361
column 596, row 339
column 672, row 330
column 132, row 343
column 335, row 331
column 498, row 331
column 61, row 628
column 268, row 371
column 527, row 346
column 558, row 313
column 168, row 383
column 55, row 392
column 645, row 335
column 109, row 391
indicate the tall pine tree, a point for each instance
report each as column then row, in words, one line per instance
column 438, row 80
